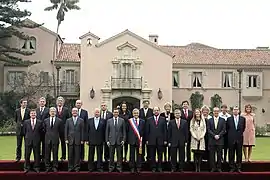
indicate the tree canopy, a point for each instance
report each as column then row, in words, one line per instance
column 12, row 19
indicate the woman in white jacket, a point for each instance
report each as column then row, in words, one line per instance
column 197, row 130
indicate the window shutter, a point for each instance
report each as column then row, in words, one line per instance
column 64, row 76
column 247, row 81
column 63, row 86
column 76, row 77
column 234, row 80
column 258, row 82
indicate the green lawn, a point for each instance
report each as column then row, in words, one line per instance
column 8, row 147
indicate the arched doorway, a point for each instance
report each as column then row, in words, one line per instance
column 130, row 101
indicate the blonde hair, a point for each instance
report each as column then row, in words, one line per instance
column 167, row 104
column 205, row 108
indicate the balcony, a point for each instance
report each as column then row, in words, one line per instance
column 126, row 83
column 69, row 88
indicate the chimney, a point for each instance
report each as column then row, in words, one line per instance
column 262, row 48
column 153, row 38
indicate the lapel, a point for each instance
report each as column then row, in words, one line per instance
column 95, row 124
column 73, row 122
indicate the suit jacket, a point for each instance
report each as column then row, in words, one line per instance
column 45, row 114
column 177, row 137
column 132, row 138
column 188, row 118
column 52, row 134
column 156, row 134
column 95, row 136
column 32, row 137
column 115, row 134
column 168, row 118
column 74, row 134
column 64, row 115
column 235, row 134
column 19, row 121
column 109, row 115
column 148, row 114
column 221, row 130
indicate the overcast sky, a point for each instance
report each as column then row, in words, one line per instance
column 218, row 23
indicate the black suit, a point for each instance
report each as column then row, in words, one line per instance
column 142, row 115
column 115, row 135
column 188, row 118
column 74, row 134
column 235, row 140
column 52, row 135
column 168, row 116
column 32, row 142
column 83, row 114
column 42, row 115
column 106, row 115
column 216, row 146
column 19, row 129
column 96, row 138
column 156, row 135
column 134, row 142
column 177, row 137
column 126, row 116
column 63, row 115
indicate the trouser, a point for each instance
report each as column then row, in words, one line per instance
column 91, row 154
column 19, row 146
column 198, row 161
column 74, row 157
column 119, row 155
column 36, row 152
column 181, row 151
column 51, row 149
column 235, row 148
column 213, row 151
column 135, row 157
column 63, row 144
column 156, row 149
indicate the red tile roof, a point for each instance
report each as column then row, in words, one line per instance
column 194, row 53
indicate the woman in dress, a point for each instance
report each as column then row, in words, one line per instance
column 126, row 115
column 168, row 115
column 249, row 133
column 205, row 115
column 197, row 130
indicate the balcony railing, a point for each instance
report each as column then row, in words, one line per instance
column 69, row 87
column 126, row 83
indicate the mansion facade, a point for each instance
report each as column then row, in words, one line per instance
column 128, row 67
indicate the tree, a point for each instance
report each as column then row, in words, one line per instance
column 216, row 101
column 196, row 100
column 175, row 106
column 11, row 21
column 62, row 7
column 30, row 85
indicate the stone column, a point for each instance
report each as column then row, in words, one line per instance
column 115, row 68
column 106, row 95
column 137, row 63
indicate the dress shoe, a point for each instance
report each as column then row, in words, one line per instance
column 26, row 171
column 100, row 170
column 90, row 170
column 110, row 170
column 232, row 170
column 238, row 170
column 159, row 169
column 37, row 170
column 132, row 170
column 17, row 160
column 70, row 170
column 180, row 170
column 173, row 170
column 55, row 170
column 47, row 170
column 219, row 170
column 213, row 170
column 138, row 170
column 153, row 170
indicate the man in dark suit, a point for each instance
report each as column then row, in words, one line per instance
column 74, row 137
column 62, row 113
column 144, row 114
column 135, row 131
column 115, row 138
column 156, row 137
column 105, row 114
column 42, row 114
column 177, row 139
column 32, row 129
column 168, row 115
column 21, row 114
column 95, row 138
column 187, row 115
column 52, row 129
column 216, row 128
column 235, row 128
column 83, row 114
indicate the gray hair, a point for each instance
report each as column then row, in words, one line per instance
column 75, row 109
column 177, row 110
column 52, row 109
column 167, row 104
column 42, row 98
column 216, row 108
column 135, row 110
column 60, row 98
column 205, row 108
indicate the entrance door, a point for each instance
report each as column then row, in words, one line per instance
column 131, row 102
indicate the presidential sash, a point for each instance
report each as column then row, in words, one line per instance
column 137, row 133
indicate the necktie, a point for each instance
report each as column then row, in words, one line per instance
column 22, row 113
column 136, row 121
column 96, row 123
column 216, row 123
column 115, row 122
column 186, row 113
column 103, row 114
column 41, row 110
column 79, row 112
column 51, row 123
column 60, row 110
column 33, row 124
column 178, row 123
column 156, row 120
column 74, row 121
column 145, row 112
column 236, row 121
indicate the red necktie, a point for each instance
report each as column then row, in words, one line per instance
column 33, row 124
column 60, row 110
column 156, row 120
column 178, row 123
column 186, row 113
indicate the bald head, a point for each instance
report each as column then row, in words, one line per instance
column 156, row 110
column 78, row 104
column 97, row 112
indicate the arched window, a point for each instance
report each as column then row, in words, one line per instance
column 89, row 42
column 30, row 44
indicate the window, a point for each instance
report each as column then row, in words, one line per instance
column 253, row 81
column 197, row 79
column 15, row 78
column 30, row 44
column 227, row 79
column 89, row 42
column 44, row 78
column 175, row 79
column 126, row 70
